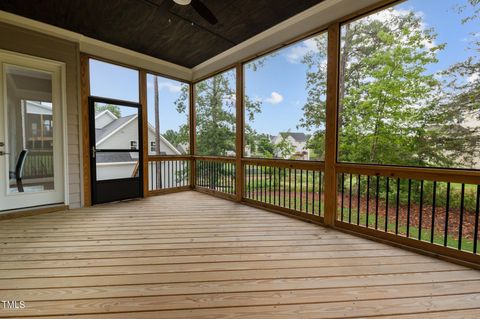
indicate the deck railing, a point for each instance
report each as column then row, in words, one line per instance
column 216, row 175
column 292, row 186
column 38, row 164
column 168, row 173
column 431, row 209
column 438, row 207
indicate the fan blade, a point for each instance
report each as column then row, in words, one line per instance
column 204, row 11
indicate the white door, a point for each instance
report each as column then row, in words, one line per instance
column 31, row 132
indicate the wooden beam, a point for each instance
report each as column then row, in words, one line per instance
column 419, row 173
column 331, row 124
column 85, row 93
column 144, row 123
column 193, row 136
column 240, row 138
column 298, row 164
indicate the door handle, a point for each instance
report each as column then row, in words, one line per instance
column 94, row 152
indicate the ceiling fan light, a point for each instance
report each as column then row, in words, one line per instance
column 182, row 2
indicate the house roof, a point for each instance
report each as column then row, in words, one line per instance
column 297, row 136
column 101, row 133
column 161, row 28
column 110, row 157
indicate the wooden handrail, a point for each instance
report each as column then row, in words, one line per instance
column 430, row 174
column 222, row 159
column 299, row 164
column 162, row 158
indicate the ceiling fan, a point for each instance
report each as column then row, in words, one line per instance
column 201, row 9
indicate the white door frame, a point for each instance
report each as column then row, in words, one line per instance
column 61, row 193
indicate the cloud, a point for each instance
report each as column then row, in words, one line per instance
column 170, row 87
column 274, row 98
column 473, row 78
column 297, row 52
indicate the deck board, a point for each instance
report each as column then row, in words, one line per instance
column 191, row 255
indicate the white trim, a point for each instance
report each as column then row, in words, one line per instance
column 109, row 113
column 302, row 23
column 116, row 130
column 100, row 48
column 170, row 145
column 58, row 73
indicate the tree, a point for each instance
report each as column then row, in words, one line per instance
column 384, row 90
column 316, row 84
column 216, row 114
column 114, row 109
column 284, row 149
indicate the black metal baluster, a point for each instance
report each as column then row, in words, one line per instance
column 269, row 184
column 343, row 192
column 420, row 212
column 295, row 188
column 320, row 194
column 350, row 201
column 408, row 206
column 279, row 187
column 386, row 204
column 376, row 201
column 265, row 184
column 462, row 209
column 397, row 208
column 368, row 201
column 447, row 211
column 289, row 188
column 358, row 199
column 477, row 212
column 284, row 184
column 313, row 193
column 274, row 185
column 256, row 182
column 434, row 204
column 306, row 190
column 301, row 189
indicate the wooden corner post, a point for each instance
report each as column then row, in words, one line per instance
column 84, row 94
column 331, row 124
column 240, row 126
column 144, row 123
column 193, row 137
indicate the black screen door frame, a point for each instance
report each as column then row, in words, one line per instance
column 110, row 190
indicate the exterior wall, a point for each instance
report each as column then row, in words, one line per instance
column 121, row 139
column 35, row 44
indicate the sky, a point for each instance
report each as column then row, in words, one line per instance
column 280, row 84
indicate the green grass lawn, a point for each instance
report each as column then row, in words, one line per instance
column 452, row 241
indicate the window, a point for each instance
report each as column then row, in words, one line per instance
column 113, row 81
column 284, row 102
column 133, row 145
column 215, row 115
column 168, row 115
column 410, row 86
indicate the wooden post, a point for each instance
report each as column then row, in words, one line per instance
column 144, row 123
column 193, row 135
column 240, row 111
column 84, row 93
column 330, row 194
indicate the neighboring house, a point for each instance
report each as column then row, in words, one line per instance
column 472, row 121
column 122, row 133
column 298, row 143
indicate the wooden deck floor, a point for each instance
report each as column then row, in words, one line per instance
column 190, row 255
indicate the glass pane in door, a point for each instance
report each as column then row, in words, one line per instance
column 30, row 125
column 116, row 127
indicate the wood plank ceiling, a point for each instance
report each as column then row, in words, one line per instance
column 161, row 28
